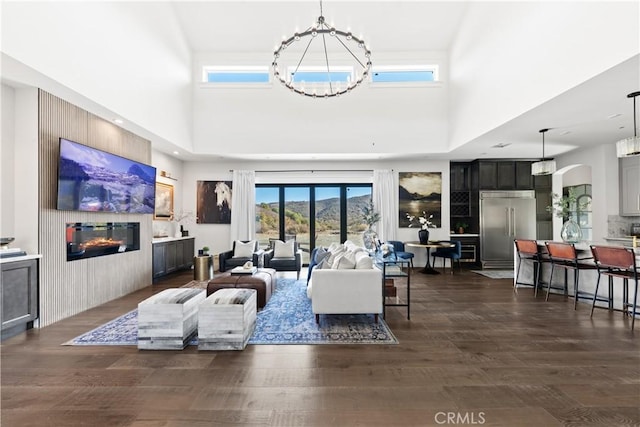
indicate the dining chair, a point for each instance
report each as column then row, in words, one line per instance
column 617, row 262
column 399, row 249
column 453, row 253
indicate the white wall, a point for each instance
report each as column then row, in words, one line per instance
column 174, row 168
column 510, row 57
column 603, row 163
column 7, row 184
column 217, row 236
column 135, row 50
column 369, row 120
column 19, row 209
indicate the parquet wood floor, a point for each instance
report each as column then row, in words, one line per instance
column 473, row 353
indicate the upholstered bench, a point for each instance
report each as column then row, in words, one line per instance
column 263, row 281
column 226, row 319
column 168, row 320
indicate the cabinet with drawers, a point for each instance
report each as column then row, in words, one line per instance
column 172, row 255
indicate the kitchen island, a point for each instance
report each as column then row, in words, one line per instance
column 588, row 278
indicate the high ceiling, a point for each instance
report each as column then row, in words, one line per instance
column 580, row 100
column 258, row 26
column 593, row 113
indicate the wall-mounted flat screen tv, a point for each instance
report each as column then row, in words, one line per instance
column 96, row 181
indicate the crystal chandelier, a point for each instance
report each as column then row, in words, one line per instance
column 630, row 146
column 543, row 167
column 321, row 61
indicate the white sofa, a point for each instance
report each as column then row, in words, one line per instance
column 341, row 290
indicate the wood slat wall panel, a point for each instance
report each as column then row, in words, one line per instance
column 68, row 288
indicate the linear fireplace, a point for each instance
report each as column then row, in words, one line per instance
column 92, row 239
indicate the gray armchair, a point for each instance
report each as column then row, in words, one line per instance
column 275, row 260
column 228, row 261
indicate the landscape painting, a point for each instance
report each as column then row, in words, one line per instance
column 214, row 202
column 164, row 202
column 420, row 192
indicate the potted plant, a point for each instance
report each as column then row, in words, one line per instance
column 564, row 207
column 205, row 250
column 461, row 226
column 369, row 217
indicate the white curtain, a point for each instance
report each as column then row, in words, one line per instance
column 243, row 208
column 385, row 201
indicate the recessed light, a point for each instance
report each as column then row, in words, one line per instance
column 118, row 121
column 613, row 116
column 566, row 132
column 176, row 153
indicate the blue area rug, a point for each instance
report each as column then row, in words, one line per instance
column 286, row 319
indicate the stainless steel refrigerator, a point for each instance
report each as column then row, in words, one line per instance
column 505, row 216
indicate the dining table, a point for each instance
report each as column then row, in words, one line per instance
column 431, row 244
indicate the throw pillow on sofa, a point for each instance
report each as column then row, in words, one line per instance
column 334, row 254
column 345, row 261
column 363, row 260
column 283, row 249
column 244, row 250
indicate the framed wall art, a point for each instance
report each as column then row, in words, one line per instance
column 420, row 192
column 164, row 202
column 214, row 202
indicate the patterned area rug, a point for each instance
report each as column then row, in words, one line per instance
column 495, row 274
column 286, row 319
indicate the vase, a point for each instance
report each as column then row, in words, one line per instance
column 423, row 237
column 571, row 232
column 369, row 239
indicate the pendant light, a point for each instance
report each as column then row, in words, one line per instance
column 543, row 167
column 630, row 146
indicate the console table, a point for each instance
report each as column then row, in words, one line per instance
column 394, row 268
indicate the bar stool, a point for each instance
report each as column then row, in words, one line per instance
column 615, row 261
column 529, row 250
column 565, row 256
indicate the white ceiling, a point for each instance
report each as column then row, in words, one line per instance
column 258, row 26
column 577, row 118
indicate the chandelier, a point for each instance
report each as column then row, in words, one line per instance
column 543, row 167
column 630, row 146
column 321, row 61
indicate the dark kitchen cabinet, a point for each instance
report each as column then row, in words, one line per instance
column 524, row 179
column 544, row 218
column 173, row 255
column 459, row 189
column 459, row 176
column 488, row 175
column 504, row 175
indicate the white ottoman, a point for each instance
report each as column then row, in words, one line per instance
column 169, row 319
column 226, row 319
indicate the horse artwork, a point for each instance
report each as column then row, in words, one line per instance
column 214, row 202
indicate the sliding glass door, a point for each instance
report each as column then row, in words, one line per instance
column 327, row 216
column 267, row 214
column 313, row 214
column 296, row 218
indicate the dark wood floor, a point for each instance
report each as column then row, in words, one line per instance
column 473, row 353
